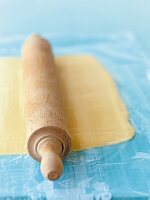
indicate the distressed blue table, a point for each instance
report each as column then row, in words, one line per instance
column 114, row 172
column 76, row 16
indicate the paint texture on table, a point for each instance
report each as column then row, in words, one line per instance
column 114, row 172
column 95, row 113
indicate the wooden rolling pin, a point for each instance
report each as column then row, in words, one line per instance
column 47, row 132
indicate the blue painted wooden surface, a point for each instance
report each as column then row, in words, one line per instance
column 76, row 16
column 119, row 171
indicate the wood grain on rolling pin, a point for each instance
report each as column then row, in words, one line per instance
column 44, row 110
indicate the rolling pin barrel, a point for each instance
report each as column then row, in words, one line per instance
column 47, row 132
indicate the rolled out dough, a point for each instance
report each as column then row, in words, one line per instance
column 95, row 113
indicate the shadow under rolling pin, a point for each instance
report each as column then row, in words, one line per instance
column 47, row 132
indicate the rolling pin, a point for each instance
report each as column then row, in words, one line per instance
column 48, row 140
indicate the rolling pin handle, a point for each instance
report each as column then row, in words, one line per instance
column 51, row 165
column 49, row 150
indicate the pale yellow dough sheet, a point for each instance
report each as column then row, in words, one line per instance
column 94, row 110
